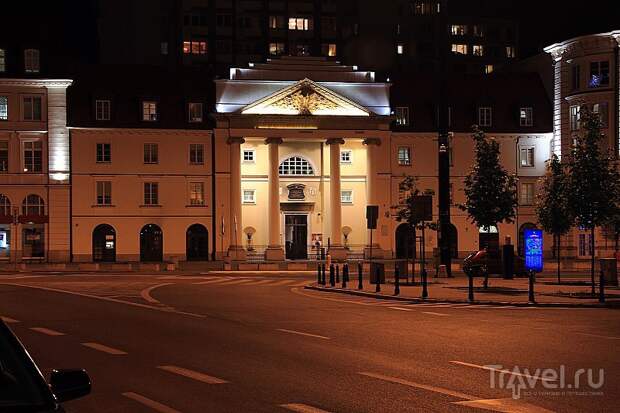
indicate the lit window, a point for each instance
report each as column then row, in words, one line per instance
column 346, row 156
column 346, row 196
column 276, row 22
column 249, row 196
column 478, row 30
column 195, row 112
column 31, row 61
column 196, row 154
column 478, row 50
column 4, row 108
column 404, row 155
column 402, row 115
column 149, row 111
column 488, row 69
column 576, row 77
column 459, row 48
column 484, row 116
column 575, row 118
column 599, row 74
column 151, row 193
column 422, row 8
column 249, row 156
column 276, row 49
column 510, row 51
column 196, row 193
column 526, row 196
column 459, row 29
column 2, row 60
column 33, row 156
column 526, row 116
column 400, row 48
column 601, row 110
column 526, row 156
column 296, row 165
column 328, row 49
column 195, row 47
column 104, row 152
column 104, row 193
column 299, row 23
column 102, row 109
column 32, row 107
column 151, row 153
column 4, row 156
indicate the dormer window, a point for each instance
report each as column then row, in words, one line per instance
column 31, row 61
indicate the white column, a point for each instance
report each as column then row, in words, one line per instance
column 235, row 249
column 274, row 251
column 336, row 250
column 372, row 160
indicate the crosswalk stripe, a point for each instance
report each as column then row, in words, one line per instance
column 302, row 408
column 157, row 406
column 47, row 331
column 104, row 349
column 192, row 374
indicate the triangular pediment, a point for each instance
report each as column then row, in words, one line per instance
column 305, row 98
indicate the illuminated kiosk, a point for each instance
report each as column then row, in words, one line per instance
column 304, row 146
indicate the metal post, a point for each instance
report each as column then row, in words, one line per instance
column 396, row 281
column 332, row 279
column 531, row 289
column 378, row 280
column 337, row 273
column 344, row 276
column 360, row 283
column 318, row 273
column 323, row 281
column 471, row 287
column 601, row 290
column 424, row 284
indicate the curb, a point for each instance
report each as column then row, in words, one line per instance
column 452, row 301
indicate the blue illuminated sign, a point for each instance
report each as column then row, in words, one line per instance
column 533, row 249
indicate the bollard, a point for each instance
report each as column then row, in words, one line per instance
column 471, row 288
column 337, row 273
column 378, row 281
column 531, row 289
column 323, row 281
column 344, row 276
column 318, row 273
column 601, row 290
column 360, row 283
column 424, row 286
column 332, row 279
column 396, row 281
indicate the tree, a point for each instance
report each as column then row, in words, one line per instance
column 594, row 188
column 552, row 207
column 490, row 191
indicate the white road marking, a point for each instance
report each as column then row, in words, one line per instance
column 104, row 349
column 600, row 336
column 301, row 333
column 47, row 331
column 432, row 313
column 435, row 389
column 262, row 282
column 302, row 408
column 214, row 281
column 192, row 374
column 504, row 405
column 146, row 293
column 282, row 282
column 462, row 363
column 301, row 284
column 157, row 406
column 9, row 320
column 401, row 308
column 235, row 282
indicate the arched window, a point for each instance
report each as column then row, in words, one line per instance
column 5, row 205
column 33, row 205
column 296, row 165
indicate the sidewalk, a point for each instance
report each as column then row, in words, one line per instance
column 574, row 292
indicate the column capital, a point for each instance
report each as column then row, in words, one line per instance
column 372, row 141
column 335, row 141
column 277, row 141
column 235, row 139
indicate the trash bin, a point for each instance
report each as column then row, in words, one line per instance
column 377, row 267
column 609, row 270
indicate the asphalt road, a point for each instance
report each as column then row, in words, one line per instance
column 153, row 343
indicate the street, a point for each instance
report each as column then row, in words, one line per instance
column 263, row 343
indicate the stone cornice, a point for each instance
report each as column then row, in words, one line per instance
column 141, row 131
column 50, row 83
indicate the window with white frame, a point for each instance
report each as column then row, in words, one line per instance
column 295, row 165
column 585, row 247
column 196, row 193
column 2, row 60
column 151, row 153
column 526, row 156
column 33, row 156
column 402, row 115
column 5, row 205
column 346, row 156
column 300, row 23
column 31, row 61
column 458, row 29
column 404, row 155
column 151, row 193
column 32, row 108
column 601, row 110
column 599, row 74
column 4, row 108
column 149, row 110
column 485, row 116
column 249, row 156
column 526, row 196
column 346, row 196
column 104, row 152
column 526, row 116
column 33, row 205
column 477, row 50
column 102, row 109
column 4, row 156
column 249, row 196
column 458, row 48
column 196, row 154
column 104, row 193
column 195, row 112
column 575, row 117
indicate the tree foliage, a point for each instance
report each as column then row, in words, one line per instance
column 405, row 210
column 552, row 203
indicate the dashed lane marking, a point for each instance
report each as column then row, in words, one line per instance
column 301, row 333
column 104, row 349
column 204, row 378
column 9, row 320
column 146, row 293
column 157, row 406
column 433, row 313
column 499, row 370
column 599, row 336
column 401, row 308
column 404, row 382
column 302, row 408
column 47, row 331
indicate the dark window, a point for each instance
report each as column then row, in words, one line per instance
column 104, row 152
column 151, row 193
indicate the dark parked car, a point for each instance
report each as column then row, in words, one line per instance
column 22, row 386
